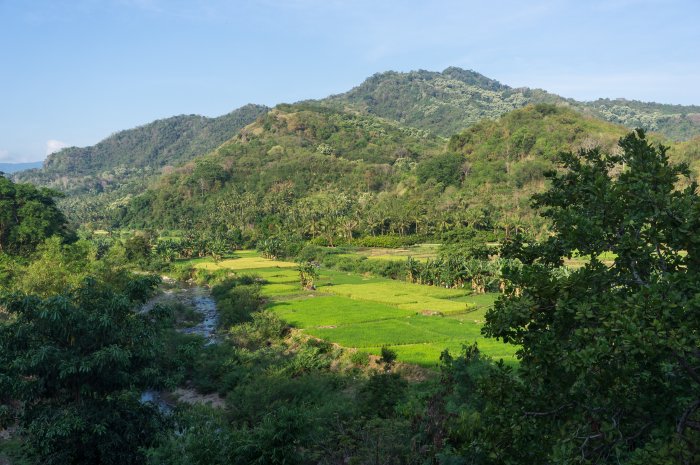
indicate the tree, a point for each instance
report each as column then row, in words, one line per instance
column 445, row 168
column 308, row 273
column 27, row 216
column 74, row 364
column 609, row 363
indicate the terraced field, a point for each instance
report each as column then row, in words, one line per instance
column 367, row 312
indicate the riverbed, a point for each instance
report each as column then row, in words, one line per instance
column 199, row 298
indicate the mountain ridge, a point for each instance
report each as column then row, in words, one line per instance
column 139, row 151
column 449, row 101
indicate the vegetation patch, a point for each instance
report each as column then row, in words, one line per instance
column 243, row 260
column 368, row 312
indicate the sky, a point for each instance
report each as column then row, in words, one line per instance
column 74, row 72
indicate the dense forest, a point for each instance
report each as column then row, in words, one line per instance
column 433, row 268
column 123, row 164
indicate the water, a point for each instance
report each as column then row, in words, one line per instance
column 199, row 298
column 156, row 398
column 204, row 304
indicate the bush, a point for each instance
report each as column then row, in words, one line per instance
column 360, row 358
column 381, row 394
column 237, row 304
column 388, row 241
column 264, row 328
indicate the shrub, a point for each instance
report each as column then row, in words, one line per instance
column 388, row 241
column 360, row 358
column 381, row 394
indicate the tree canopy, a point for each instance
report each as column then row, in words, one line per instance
column 28, row 215
column 609, row 357
column 71, row 366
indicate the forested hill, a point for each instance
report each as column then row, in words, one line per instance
column 449, row 101
column 677, row 122
column 444, row 103
column 139, row 151
column 303, row 155
column 308, row 171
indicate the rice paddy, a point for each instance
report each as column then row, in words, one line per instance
column 241, row 261
column 368, row 312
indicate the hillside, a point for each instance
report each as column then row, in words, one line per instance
column 677, row 122
column 292, row 155
column 138, row 152
column 449, row 101
column 443, row 103
column 310, row 172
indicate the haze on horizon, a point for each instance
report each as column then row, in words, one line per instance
column 76, row 71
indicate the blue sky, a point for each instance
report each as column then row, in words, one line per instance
column 73, row 72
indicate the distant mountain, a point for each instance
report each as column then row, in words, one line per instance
column 10, row 168
column 443, row 103
column 677, row 122
column 450, row 101
column 139, row 152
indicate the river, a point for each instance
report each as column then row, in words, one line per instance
column 200, row 299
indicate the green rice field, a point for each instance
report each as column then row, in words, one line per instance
column 368, row 312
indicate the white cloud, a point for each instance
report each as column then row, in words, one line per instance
column 4, row 155
column 53, row 145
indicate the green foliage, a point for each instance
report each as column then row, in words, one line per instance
column 308, row 273
column 271, row 248
column 75, row 362
column 203, row 438
column 382, row 393
column 388, row 358
column 236, row 300
column 263, row 328
column 445, row 169
column 28, row 216
column 608, row 356
column 360, row 358
column 137, row 248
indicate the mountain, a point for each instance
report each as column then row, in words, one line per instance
column 380, row 138
column 677, row 122
column 139, row 152
column 291, row 154
column 449, row 101
column 307, row 170
column 444, row 103
column 10, row 168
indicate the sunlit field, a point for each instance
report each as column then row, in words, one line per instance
column 368, row 312
column 418, row 251
column 243, row 260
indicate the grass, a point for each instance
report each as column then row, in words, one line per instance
column 418, row 251
column 368, row 312
column 318, row 312
column 242, row 260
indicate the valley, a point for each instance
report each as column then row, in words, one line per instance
column 368, row 312
column 430, row 268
